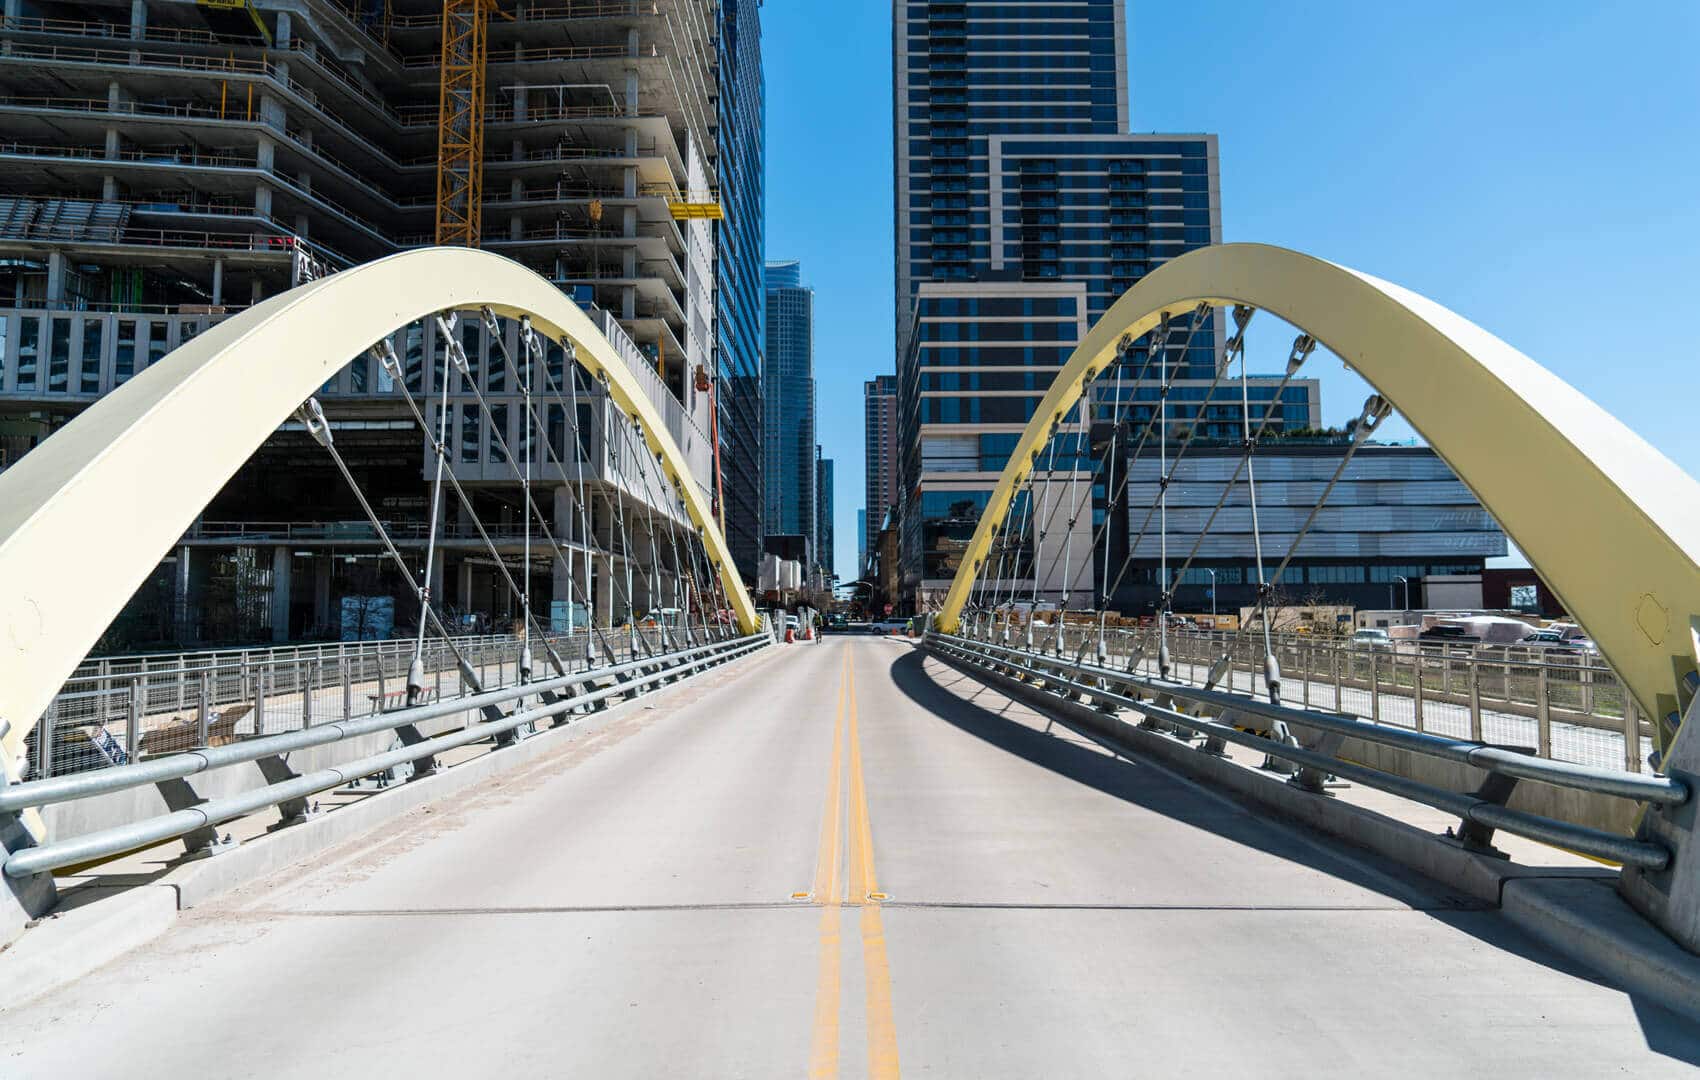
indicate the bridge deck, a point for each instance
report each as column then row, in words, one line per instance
column 626, row 907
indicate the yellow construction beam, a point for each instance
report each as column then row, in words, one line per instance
column 1611, row 524
column 86, row 516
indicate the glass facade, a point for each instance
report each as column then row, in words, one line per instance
column 823, row 514
column 740, row 256
column 788, row 401
column 1397, row 511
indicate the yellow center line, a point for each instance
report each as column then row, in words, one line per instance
column 882, row 1028
column 823, row 1048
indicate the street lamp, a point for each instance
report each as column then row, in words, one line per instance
column 1212, row 574
column 1407, row 584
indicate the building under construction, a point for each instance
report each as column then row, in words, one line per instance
column 163, row 165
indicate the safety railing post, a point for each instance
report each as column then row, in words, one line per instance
column 203, row 710
column 312, row 682
column 1374, row 689
column 44, row 742
column 1475, row 700
column 259, row 701
column 1417, row 687
column 133, row 726
column 1339, row 681
column 1543, row 712
column 347, row 687
column 1631, row 734
column 1309, row 654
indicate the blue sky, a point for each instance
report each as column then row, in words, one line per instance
column 1533, row 166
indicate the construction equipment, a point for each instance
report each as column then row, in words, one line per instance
column 460, row 122
column 246, row 6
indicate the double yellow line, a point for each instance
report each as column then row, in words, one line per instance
column 858, row 888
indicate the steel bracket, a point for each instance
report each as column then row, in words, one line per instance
column 204, row 841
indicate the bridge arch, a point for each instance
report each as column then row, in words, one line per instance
column 1612, row 525
column 139, row 464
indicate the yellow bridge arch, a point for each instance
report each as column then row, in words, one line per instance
column 1612, row 525
column 87, row 515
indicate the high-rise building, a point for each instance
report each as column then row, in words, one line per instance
column 862, row 540
column 788, row 403
column 741, row 255
column 879, row 436
column 232, row 152
column 1024, row 209
column 823, row 513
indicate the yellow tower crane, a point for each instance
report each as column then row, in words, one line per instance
column 460, row 122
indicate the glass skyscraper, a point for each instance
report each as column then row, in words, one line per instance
column 788, row 399
column 1024, row 209
column 740, row 256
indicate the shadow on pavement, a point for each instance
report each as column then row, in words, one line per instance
column 957, row 698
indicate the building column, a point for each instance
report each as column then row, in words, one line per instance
column 280, row 593
column 55, row 276
column 322, row 614
column 463, row 590
column 138, row 19
column 180, row 596
column 218, row 282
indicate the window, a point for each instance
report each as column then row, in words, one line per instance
column 470, row 434
column 124, row 356
column 498, row 434
column 89, row 373
column 59, row 356
column 156, row 342
column 29, row 353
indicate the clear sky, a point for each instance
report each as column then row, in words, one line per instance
column 1533, row 166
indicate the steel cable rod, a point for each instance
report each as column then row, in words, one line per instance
column 570, row 374
column 1302, row 348
column 457, row 354
column 312, row 417
column 1166, row 480
column 1376, row 409
column 1151, row 355
column 391, row 363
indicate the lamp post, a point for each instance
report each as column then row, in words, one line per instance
column 1407, row 583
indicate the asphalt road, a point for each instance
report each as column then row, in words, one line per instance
column 842, row 859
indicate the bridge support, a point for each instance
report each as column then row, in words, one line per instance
column 29, row 898
column 1671, row 897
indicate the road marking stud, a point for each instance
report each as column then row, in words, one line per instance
column 799, row 896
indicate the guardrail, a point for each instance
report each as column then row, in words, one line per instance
column 192, row 819
column 1566, row 703
column 1264, row 726
column 115, row 710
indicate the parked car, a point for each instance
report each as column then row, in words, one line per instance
column 1448, row 634
column 1371, row 638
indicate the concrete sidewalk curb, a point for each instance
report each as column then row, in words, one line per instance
column 68, row 945
column 1578, row 913
column 1589, row 921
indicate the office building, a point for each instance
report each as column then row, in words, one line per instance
column 1398, row 514
column 741, row 256
column 823, row 514
column 879, row 439
column 229, row 152
column 1015, row 170
column 788, row 402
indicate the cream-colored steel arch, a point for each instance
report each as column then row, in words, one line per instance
column 85, row 516
column 1610, row 523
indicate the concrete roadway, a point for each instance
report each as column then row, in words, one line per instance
column 683, row 891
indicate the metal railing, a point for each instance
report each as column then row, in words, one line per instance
column 192, row 819
column 1186, row 711
column 114, row 711
column 1566, row 703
